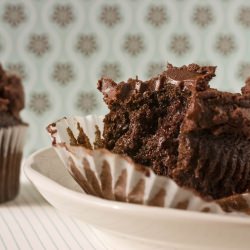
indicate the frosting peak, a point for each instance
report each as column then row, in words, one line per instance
column 11, row 94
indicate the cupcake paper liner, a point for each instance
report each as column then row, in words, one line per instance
column 11, row 148
column 104, row 174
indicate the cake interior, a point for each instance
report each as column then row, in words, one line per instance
column 144, row 122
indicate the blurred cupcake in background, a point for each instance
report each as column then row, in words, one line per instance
column 12, row 134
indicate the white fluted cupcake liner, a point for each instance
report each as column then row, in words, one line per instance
column 114, row 177
column 11, row 150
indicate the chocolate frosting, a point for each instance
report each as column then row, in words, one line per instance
column 220, row 112
column 192, row 76
column 11, row 94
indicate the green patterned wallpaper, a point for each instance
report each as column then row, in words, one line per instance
column 60, row 48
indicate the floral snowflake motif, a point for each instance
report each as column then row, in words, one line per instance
column 39, row 103
column 63, row 15
column 86, row 44
column 63, row 73
column 154, row 69
column 244, row 16
column 39, row 44
column 133, row 44
column 244, row 71
column 225, row 44
column 86, row 102
column 110, row 15
column 180, row 44
column 203, row 16
column 17, row 69
column 157, row 15
column 111, row 70
column 14, row 15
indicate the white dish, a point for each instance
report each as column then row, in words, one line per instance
column 140, row 226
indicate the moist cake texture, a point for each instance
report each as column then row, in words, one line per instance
column 180, row 127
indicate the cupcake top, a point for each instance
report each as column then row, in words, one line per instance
column 11, row 99
column 191, row 75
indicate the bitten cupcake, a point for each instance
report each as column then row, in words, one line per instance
column 12, row 133
column 171, row 141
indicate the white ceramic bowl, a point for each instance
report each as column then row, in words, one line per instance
column 146, row 227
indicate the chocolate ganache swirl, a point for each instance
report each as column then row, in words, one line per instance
column 11, row 98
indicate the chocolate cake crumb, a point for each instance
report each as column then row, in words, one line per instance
column 52, row 130
column 73, row 140
column 234, row 203
column 82, row 138
column 98, row 143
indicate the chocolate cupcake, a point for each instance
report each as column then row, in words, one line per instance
column 12, row 133
column 182, row 128
column 171, row 141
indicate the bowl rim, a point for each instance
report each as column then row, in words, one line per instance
column 44, row 182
